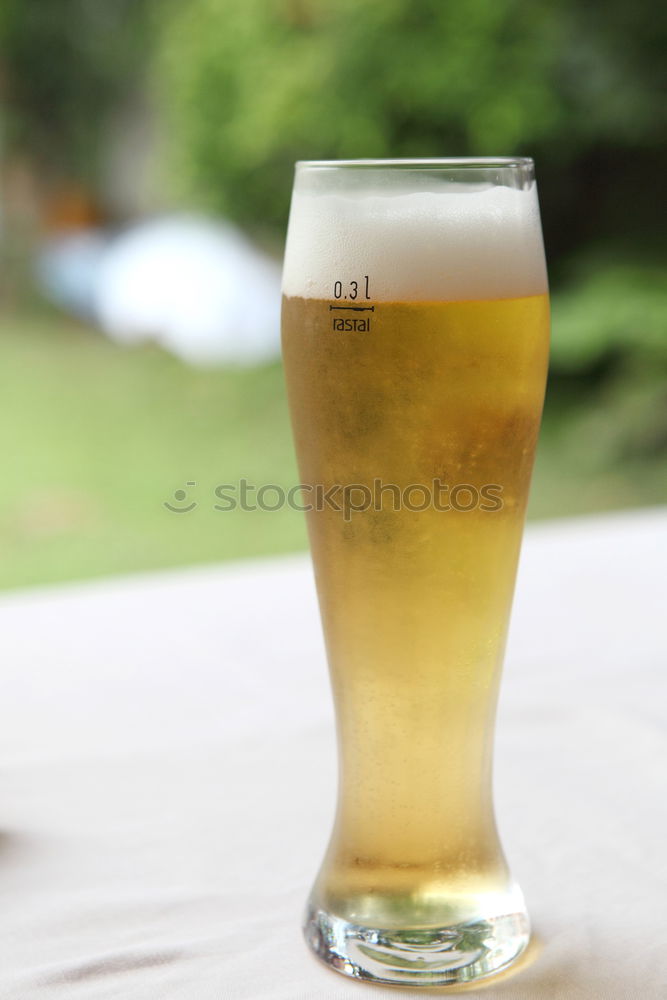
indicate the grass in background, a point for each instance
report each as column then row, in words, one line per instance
column 96, row 438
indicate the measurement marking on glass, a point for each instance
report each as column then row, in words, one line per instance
column 358, row 309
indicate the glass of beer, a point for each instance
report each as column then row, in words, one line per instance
column 415, row 327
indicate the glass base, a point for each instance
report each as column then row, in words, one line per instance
column 434, row 956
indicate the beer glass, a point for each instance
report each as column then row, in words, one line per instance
column 415, row 328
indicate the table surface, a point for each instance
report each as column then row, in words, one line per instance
column 168, row 771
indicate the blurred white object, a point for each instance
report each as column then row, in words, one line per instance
column 67, row 266
column 197, row 287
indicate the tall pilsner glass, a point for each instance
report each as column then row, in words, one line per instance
column 415, row 337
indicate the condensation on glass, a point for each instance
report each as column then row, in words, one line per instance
column 415, row 337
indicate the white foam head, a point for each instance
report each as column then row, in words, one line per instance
column 418, row 235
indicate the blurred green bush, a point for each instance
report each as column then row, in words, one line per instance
column 249, row 86
column 63, row 66
column 609, row 347
column 610, row 310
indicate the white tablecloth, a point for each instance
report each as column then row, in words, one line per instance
column 167, row 774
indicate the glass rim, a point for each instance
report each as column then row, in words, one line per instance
column 430, row 163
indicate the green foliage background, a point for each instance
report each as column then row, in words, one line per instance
column 63, row 65
column 243, row 88
column 249, row 86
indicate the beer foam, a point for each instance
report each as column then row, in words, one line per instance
column 439, row 242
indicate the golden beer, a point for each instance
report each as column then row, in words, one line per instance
column 418, row 418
